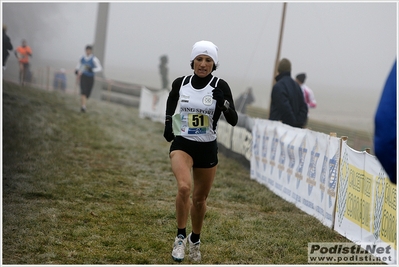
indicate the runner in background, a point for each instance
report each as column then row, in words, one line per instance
column 87, row 66
column 23, row 53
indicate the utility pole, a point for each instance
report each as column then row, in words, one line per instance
column 99, row 45
column 279, row 44
column 280, row 40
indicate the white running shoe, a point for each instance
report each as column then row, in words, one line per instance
column 195, row 253
column 178, row 248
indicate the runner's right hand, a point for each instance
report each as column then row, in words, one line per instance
column 168, row 132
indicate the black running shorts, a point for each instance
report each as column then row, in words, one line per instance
column 86, row 85
column 204, row 154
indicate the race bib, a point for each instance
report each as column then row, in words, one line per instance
column 191, row 123
column 198, row 121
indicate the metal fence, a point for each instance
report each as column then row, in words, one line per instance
column 357, row 139
column 129, row 94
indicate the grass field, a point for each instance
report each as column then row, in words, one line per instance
column 97, row 188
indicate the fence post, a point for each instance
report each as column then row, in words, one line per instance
column 109, row 90
column 48, row 79
column 343, row 138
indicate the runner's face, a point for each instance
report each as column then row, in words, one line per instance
column 88, row 52
column 203, row 65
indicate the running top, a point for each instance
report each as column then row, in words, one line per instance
column 88, row 65
column 23, row 53
column 197, row 115
column 197, row 107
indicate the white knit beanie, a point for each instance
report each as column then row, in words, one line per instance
column 205, row 48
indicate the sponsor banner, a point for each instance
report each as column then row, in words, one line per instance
column 237, row 139
column 299, row 165
column 153, row 104
column 366, row 201
column 224, row 133
column 366, row 253
column 382, row 224
column 241, row 141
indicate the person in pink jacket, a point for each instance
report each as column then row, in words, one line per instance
column 307, row 92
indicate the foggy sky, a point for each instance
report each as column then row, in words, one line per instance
column 346, row 49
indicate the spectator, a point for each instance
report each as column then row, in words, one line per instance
column 60, row 80
column 385, row 127
column 307, row 92
column 245, row 99
column 287, row 101
column 163, row 70
column 7, row 46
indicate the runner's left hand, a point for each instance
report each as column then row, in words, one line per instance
column 218, row 95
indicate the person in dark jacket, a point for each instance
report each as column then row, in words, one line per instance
column 7, row 46
column 287, row 102
column 385, row 127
